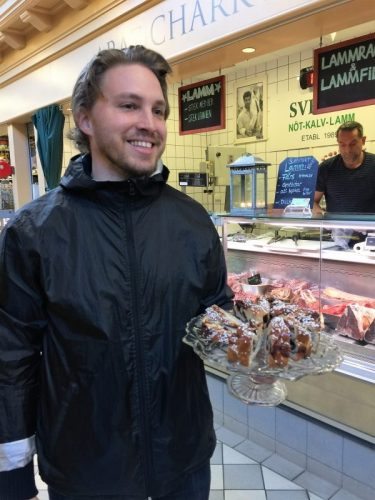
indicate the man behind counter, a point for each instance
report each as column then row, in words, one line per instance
column 347, row 180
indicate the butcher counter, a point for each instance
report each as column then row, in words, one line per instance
column 285, row 248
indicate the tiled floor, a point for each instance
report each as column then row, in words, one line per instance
column 242, row 470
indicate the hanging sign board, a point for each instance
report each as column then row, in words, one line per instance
column 344, row 75
column 296, row 180
column 195, row 179
column 202, row 106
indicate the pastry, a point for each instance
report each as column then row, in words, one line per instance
column 278, row 343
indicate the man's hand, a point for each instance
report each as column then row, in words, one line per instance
column 317, row 209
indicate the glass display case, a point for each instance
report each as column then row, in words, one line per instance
column 324, row 263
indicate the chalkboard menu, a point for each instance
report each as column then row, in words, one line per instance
column 195, row 179
column 344, row 75
column 202, row 106
column 296, row 179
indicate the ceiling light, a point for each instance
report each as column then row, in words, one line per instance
column 248, row 50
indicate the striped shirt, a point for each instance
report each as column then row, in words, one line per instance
column 345, row 189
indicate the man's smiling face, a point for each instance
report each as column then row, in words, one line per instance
column 126, row 126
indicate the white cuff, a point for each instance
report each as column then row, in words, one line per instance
column 16, row 454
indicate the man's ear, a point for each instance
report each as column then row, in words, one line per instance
column 84, row 122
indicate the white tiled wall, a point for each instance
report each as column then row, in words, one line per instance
column 192, row 148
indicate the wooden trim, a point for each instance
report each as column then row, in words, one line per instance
column 68, row 25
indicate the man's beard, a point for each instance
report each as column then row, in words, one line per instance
column 121, row 163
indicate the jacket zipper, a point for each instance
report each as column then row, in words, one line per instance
column 145, row 437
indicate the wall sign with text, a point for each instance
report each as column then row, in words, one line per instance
column 344, row 75
column 202, row 106
column 296, row 179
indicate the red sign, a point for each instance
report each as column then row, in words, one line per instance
column 5, row 169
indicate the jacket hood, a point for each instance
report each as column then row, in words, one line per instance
column 78, row 177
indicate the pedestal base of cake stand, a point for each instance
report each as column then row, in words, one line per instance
column 258, row 389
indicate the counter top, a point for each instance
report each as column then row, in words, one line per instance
column 304, row 248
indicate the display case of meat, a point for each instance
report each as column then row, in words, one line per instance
column 325, row 264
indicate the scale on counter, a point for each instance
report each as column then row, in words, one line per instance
column 366, row 247
column 369, row 245
column 299, row 207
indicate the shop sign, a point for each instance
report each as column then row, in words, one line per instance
column 194, row 23
column 176, row 26
column 202, row 106
column 292, row 124
column 344, row 75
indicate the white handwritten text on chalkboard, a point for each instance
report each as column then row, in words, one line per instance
column 201, row 106
column 345, row 74
column 296, row 179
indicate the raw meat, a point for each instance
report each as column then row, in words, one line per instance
column 355, row 320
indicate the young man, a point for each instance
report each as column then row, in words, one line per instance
column 98, row 279
column 347, row 180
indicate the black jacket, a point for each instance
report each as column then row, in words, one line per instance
column 101, row 278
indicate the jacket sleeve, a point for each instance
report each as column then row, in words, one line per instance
column 217, row 290
column 22, row 325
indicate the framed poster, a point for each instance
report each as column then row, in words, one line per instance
column 344, row 75
column 251, row 110
column 202, row 106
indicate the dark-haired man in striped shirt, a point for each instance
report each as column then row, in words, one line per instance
column 347, row 180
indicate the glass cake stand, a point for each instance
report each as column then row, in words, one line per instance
column 259, row 384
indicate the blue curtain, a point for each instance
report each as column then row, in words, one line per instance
column 49, row 122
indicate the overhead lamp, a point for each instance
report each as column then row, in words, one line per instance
column 248, row 50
